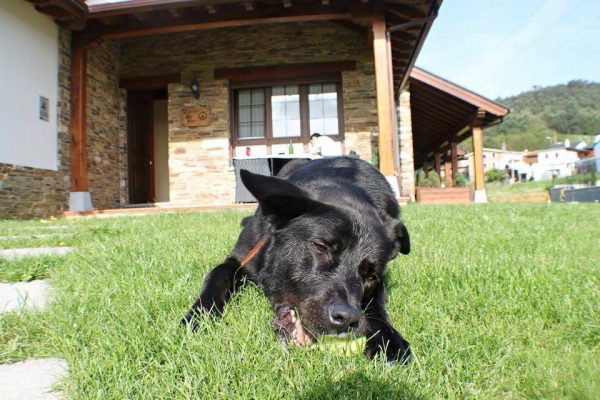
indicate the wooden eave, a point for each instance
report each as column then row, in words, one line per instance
column 459, row 92
column 111, row 21
column 443, row 112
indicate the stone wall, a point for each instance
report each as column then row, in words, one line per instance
column 407, row 162
column 106, row 131
column 199, row 157
column 30, row 192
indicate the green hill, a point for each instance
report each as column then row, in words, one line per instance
column 562, row 111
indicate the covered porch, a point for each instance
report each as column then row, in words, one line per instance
column 445, row 114
column 165, row 95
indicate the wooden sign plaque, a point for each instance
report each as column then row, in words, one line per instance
column 196, row 116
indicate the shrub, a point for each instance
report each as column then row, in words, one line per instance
column 495, row 175
column 461, row 181
column 422, row 179
column 434, row 179
column 431, row 181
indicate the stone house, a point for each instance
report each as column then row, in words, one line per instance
column 157, row 100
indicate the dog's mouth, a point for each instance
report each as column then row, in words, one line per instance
column 288, row 325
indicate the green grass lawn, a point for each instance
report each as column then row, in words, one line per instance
column 498, row 301
column 530, row 192
column 518, row 188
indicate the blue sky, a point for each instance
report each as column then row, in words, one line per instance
column 502, row 48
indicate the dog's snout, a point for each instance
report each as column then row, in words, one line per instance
column 342, row 317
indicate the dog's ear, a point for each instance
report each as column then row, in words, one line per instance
column 279, row 199
column 402, row 238
column 399, row 234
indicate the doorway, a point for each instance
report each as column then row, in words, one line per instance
column 147, row 132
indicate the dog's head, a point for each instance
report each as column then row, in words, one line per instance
column 325, row 257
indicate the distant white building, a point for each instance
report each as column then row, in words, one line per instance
column 559, row 160
column 555, row 162
column 591, row 159
column 492, row 159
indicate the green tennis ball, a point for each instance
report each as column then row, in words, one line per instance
column 344, row 346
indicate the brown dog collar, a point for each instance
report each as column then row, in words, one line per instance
column 252, row 252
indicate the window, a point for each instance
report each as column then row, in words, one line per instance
column 323, row 108
column 251, row 113
column 285, row 111
column 279, row 113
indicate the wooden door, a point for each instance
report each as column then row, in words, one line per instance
column 140, row 147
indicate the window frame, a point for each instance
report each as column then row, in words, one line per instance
column 305, row 133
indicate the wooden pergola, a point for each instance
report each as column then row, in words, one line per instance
column 445, row 114
column 395, row 29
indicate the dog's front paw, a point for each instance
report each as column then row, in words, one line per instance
column 204, row 305
column 396, row 348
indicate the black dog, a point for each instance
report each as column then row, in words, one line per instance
column 318, row 246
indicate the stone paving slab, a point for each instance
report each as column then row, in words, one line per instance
column 34, row 251
column 36, row 236
column 41, row 227
column 30, row 295
column 32, row 379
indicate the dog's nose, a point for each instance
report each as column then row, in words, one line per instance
column 342, row 316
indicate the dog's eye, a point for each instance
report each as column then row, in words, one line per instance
column 320, row 247
column 371, row 281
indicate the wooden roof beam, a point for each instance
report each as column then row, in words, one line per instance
column 405, row 36
column 141, row 16
column 72, row 7
column 109, row 21
column 432, row 10
column 163, row 23
column 175, row 12
column 128, row 7
column 474, row 120
column 399, row 44
column 405, row 12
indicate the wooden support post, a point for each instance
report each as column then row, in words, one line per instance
column 79, row 199
column 383, row 84
column 79, row 181
column 480, row 195
column 437, row 159
column 454, row 161
column 448, row 174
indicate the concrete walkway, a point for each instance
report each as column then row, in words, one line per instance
column 32, row 379
column 36, row 236
column 29, row 295
column 33, row 252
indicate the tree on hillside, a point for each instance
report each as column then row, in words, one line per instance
column 562, row 111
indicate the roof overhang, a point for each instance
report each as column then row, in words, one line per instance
column 444, row 112
column 408, row 21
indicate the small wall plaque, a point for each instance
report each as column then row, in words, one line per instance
column 196, row 116
column 44, row 108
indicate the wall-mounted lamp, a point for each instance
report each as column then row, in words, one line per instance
column 195, row 86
